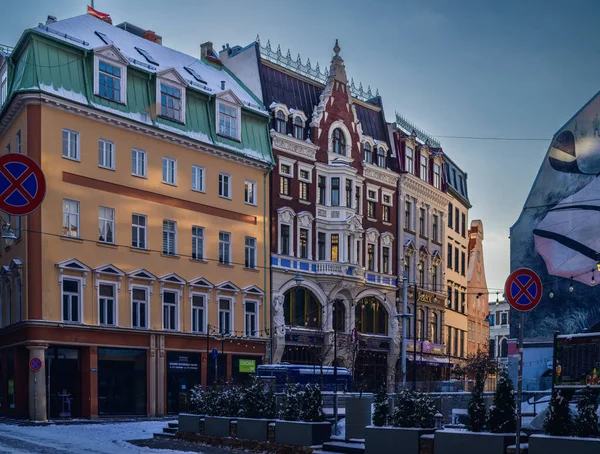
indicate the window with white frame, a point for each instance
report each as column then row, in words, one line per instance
column 321, row 190
column 339, row 142
column 3, row 84
column 107, row 304
column 437, row 180
column 250, row 253
column 169, row 237
column 385, row 260
column 303, row 244
column 138, row 163
column 280, row 122
column 229, row 118
column 225, row 248
column 197, row 243
column 368, row 153
column 349, row 193
column 386, row 205
column 321, row 245
column 381, row 161
column 169, row 171
column 139, row 307
column 250, row 315
column 110, row 83
column 71, row 300
column 436, row 226
column 171, row 106
column 284, row 241
column 70, row 144
column 225, row 186
column 170, row 310
column 423, row 173
column 305, row 178
column 106, row 154
column 198, row 313
column 409, row 164
column 298, row 128
column 139, row 231
column 70, row 218
column 106, row 225
column 407, row 215
column 197, row 178
column 225, row 316
column 285, row 176
column 358, row 201
column 335, row 191
column 250, row 192
column 371, row 203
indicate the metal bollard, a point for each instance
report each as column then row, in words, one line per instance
column 438, row 421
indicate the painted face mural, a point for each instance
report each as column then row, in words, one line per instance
column 558, row 232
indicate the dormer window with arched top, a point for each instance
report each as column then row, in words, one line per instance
column 381, row 158
column 339, row 142
column 280, row 123
column 298, row 128
column 368, row 153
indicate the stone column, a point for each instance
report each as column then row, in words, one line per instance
column 161, row 376
column 152, row 376
column 37, row 384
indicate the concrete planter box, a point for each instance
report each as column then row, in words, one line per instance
column 217, row 426
column 546, row 444
column 358, row 415
column 300, row 433
column 189, row 424
column 451, row 442
column 253, row 429
column 391, row 440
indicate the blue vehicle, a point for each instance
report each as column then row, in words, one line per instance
column 282, row 374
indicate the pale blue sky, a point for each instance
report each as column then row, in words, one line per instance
column 454, row 67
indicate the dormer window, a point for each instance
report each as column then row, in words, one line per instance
column 381, row 158
column 280, row 122
column 339, row 142
column 298, row 128
column 228, row 121
column 423, row 174
column 109, row 81
column 437, row 181
column 368, row 153
column 171, row 102
column 409, row 164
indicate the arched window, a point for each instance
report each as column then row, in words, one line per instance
column 298, row 128
column 301, row 308
column 368, row 153
column 339, row 142
column 371, row 317
column 280, row 122
column 381, row 158
column 504, row 348
column 421, row 325
column 339, row 315
column 433, row 332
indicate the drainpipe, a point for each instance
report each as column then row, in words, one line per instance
column 267, row 298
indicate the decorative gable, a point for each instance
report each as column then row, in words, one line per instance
column 109, row 269
column 227, row 286
column 72, row 265
column 201, row 282
column 252, row 290
column 173, row 76
column 111, row 52
column 229, row 96
column 143, row 274
column 172, row 278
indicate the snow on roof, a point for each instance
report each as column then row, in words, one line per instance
column 81, row 31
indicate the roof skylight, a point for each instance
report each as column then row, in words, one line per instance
column 144, row 53
column 194, row 74
column 103, row 37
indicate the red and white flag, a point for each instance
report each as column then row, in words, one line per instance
column 97, row 14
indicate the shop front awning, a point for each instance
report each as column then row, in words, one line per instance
column 430, row 360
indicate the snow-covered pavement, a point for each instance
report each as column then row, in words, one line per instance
column 81, row 438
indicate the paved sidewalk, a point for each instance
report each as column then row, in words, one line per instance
column 182, row 445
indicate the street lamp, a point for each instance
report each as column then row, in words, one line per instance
column 335, row 403
column 8, row 235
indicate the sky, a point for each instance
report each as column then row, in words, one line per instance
column 508, row 69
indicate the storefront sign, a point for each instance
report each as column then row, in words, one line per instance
column 374, row 344
column 303, row 339
column 182, row 363
column 248, row 366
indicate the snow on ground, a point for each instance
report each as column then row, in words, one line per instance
column 80, row 438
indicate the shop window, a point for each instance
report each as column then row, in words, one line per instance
column 302, row 309
column 371, row 317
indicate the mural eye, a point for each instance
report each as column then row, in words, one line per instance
column 562, row 156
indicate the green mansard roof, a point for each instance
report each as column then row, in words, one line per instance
column 58, row 59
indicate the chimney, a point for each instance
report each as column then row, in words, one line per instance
column 152, row 36
column 222, row 85
column 206, row 49
column 50, row 20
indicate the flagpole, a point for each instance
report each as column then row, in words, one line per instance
column 92, row 5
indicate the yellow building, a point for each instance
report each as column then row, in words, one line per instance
column 149, row 253
column 457, row 250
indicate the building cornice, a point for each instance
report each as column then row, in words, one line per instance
column 294, row 146
column 22, row 100
column 423, row 191
column 380, row 175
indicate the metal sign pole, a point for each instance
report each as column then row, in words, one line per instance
column 35, row 396
column 520, row 383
